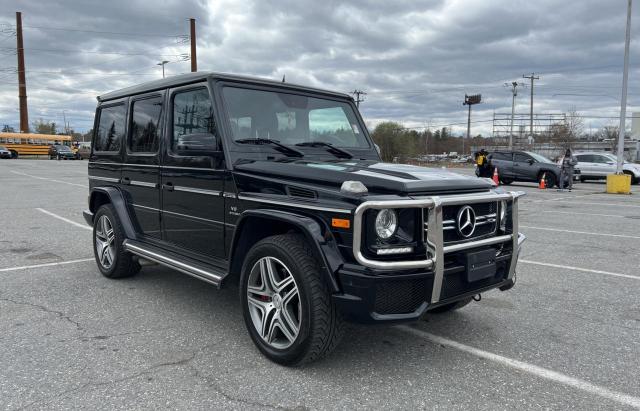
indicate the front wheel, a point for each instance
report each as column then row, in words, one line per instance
column 634, row 180
column 286, row 304
column 506, row 181
column 549, row 179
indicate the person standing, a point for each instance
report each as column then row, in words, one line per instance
column 482, row 161
column 567, row 164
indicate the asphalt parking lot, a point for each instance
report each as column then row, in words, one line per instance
column 567, row 336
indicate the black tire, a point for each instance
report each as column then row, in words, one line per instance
column 582, row 179
column 506, row 181
column 14, row 154
column 320, row 324
column 549, row 179
column 450, row 307
column 634, row 180
column 122, row 263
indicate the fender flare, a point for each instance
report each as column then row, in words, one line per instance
column 321, row 240
column 119, row 204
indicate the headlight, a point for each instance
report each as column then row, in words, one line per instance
column 503, row 215
column 386, row 223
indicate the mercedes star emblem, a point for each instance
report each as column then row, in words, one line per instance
column 466, row 221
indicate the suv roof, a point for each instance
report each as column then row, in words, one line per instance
column 189, row 78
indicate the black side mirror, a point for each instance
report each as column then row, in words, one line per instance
column 198, row 144
column 530, row 161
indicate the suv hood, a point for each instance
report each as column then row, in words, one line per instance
column 380, row 178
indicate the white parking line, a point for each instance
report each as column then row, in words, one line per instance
column 27, row 267
column 579, row 232
column 586, row 270
column 541, row 372
column 48, row 179
column 598, row 204
column 66, row 220
column 590, row 214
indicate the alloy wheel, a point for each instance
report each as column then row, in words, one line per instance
column 105, row 238
column 274, row 302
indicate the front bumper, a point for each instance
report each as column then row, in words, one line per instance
column 396, row 291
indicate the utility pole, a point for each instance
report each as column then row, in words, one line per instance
column 22, row 82
column 194, row 60
column 64, row 118
column 623, row 103
column 469, row 101
column 531, row 77
column 358, row 93
column 514, row 91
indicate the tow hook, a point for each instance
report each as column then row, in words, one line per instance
column 477, row 297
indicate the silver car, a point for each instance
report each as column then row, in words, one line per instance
column 597, row 165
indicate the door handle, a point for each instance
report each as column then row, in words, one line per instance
column 126, row 180
column 168, row 186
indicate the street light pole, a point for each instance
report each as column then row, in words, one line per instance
column 469, row 101
column 162, row 63
column 623, row 102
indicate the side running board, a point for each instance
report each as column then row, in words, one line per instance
column 184, row 265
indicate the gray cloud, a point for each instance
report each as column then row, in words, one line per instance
column 415, row 59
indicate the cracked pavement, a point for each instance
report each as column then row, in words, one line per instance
column 72, row 339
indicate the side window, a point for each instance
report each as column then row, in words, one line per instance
column 600, row 159
column 521, row 158
column 110, row 129
column 584, row 158
column 192, row 114
column 145, row 120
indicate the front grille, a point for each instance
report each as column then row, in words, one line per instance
column 486, row 222
column 401, row 296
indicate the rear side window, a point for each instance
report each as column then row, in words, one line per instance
column 501, row 156
column 145, row 122
column 110, row 129
column 192, row 114
column 584, row 158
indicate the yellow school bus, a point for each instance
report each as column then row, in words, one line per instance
column 29, row 144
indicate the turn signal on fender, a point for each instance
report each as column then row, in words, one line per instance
column 340, row 223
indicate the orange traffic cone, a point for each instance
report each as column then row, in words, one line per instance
column 496, row 179
column 543, row 182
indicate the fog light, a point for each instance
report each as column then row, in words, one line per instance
column 395, row 250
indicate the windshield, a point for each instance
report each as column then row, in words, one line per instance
column 612, row 157
column 540, row 159
column 292, row 119
column 63, row 148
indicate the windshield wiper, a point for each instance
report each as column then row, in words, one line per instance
column 338, row 152
column 283, row 147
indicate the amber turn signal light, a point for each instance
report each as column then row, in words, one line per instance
column 340, row 223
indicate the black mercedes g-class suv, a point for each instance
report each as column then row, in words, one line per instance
column 279, row 188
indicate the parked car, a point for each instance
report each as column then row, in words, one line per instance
column 597, row 165
column 61, row 151
column 524, row 166
column 84, row 150
column 279, row 189
column 4, row 152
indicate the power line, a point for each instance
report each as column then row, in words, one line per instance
column 121, row 33
column 144, row 53
column 358, row 93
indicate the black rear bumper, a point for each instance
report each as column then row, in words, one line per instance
column 371, row 297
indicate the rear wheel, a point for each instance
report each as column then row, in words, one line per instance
column 286, row 304
column 108, row 236
column 450, row 307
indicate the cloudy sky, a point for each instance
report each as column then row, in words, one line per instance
column 415, row 58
